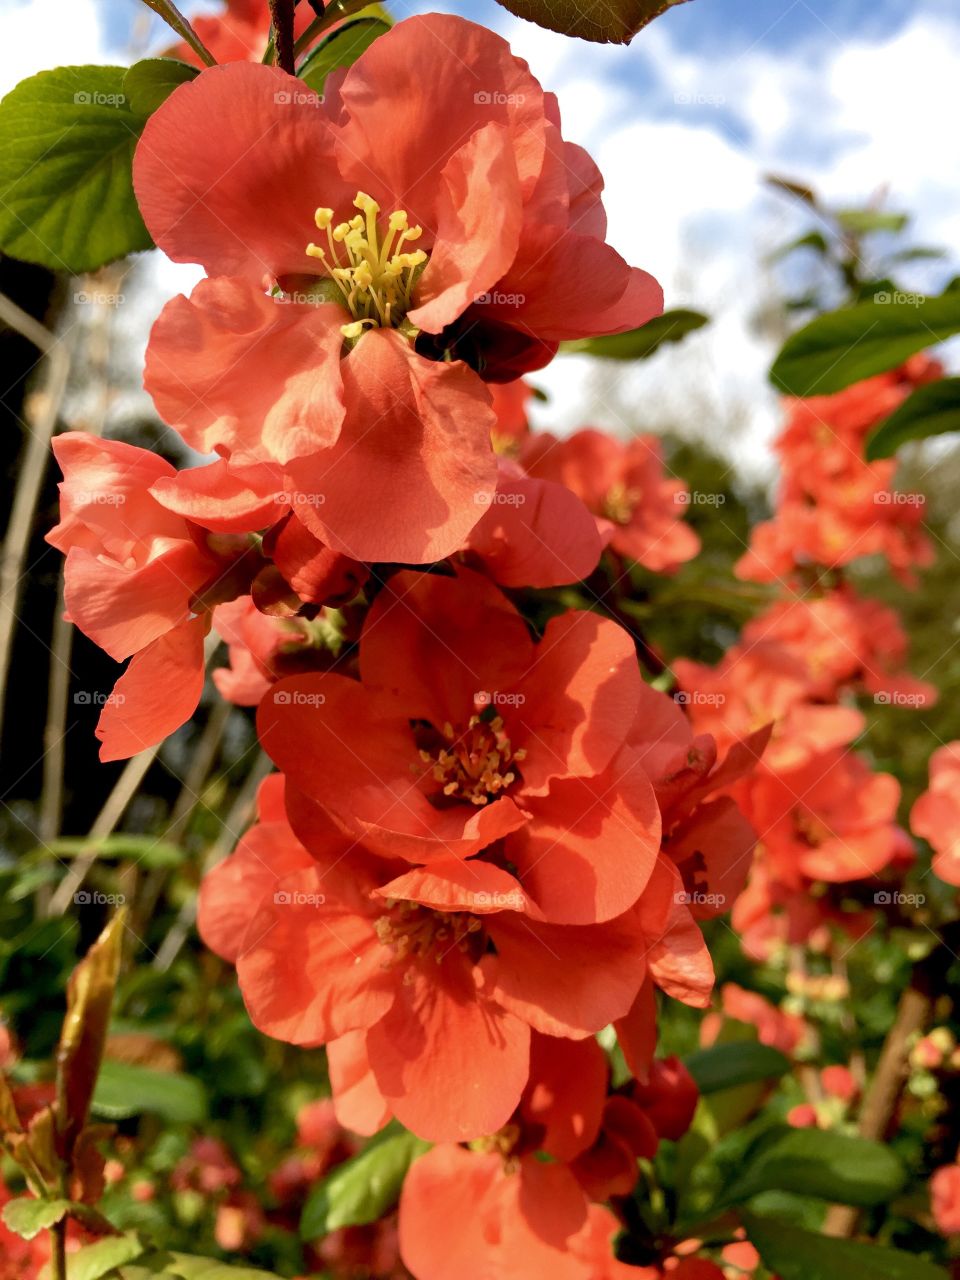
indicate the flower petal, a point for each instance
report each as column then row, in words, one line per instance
column 226, row 172
column 413, row 467
column 311, row 969
column 156, row 694
column 442, row 1029
column 244, row 375
column 591, row 844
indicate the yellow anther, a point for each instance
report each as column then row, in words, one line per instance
column 352, row 330
column 376, row 279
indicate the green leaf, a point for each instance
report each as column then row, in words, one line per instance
column 834, row 1166
column 27, row 1217
column 66, row 147
column 145, row 850
column 127, row 1089
column 932, row 410
column 863, row 221
column 724, row 1066
column 637, row 344
column 918, row 253
column 857, row 342
column 362, row 1189
column 605, row 21
column 341, row 49
column 149, row 83
column 812, row 240
column 99, row 1259
column 794, row 1254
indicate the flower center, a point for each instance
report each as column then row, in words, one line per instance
column 475, row 765
column 504, row 1143
column 810, row 828
column 413, row 932
column 619, row 503
column 375, row 277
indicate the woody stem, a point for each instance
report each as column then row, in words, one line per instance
column 281, row 12
column 58, row 1250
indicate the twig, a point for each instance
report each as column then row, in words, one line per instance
column 54, row 733
column 108, row 817
column 41, row 411
column 172, row 16
column 881, row 1097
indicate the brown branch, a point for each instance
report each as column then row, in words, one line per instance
column 880, row 1100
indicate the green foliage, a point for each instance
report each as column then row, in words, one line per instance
column 598, row 20
column 149, row 83
column 723, row 1066
column 794, row 1254
column 362, row 1189
column 28, row 1216
column 932, row 410
column 638, row 344
column 857, row 342
column 341, row 49
column 67, row 139
column 833, row 1166
column 127, row 1089
column 99, row 1259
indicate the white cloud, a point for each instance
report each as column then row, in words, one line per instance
column 47, row 33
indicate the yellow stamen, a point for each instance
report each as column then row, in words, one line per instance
column 375, row 276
